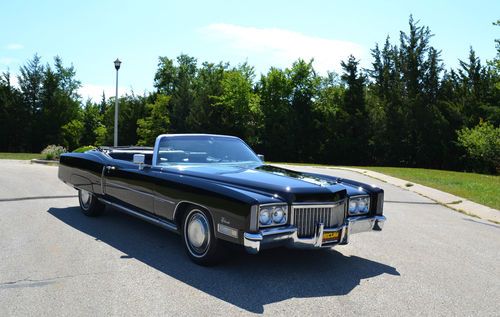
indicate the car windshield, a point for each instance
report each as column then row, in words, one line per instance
column 204, row 149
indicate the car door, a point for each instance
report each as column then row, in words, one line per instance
column 169, row 191
column 125, row 183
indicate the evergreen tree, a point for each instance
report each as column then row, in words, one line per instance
column 92, row 123
column 30, row 84
column 304, row 84
column 238, row 106
column 15, row 118
column 60, row 107
column 155, row 123
column 177, row 81
column 330, row 120
column 354, row 104
column 203, row 114
column 275, row 89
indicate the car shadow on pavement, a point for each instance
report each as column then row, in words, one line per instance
column 483, row 223
column 247, row 281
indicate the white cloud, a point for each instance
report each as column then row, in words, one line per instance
column 279, row 47
column 7, row 61
column 14, row 46
column 94, row 92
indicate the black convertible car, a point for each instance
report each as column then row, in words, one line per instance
column 214, row 189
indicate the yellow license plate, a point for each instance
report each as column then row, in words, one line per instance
column 329, row 236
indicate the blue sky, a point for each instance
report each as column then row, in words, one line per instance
column 92, row 34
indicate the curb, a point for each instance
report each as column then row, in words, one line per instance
column 451, row 201
column 45, row 162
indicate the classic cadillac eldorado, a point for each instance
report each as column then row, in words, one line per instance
column 213, row 189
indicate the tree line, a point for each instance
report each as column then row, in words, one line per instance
column 404, row 110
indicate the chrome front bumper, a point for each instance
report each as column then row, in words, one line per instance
column 287, row 236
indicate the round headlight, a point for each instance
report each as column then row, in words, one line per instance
column 353, row 205
column 365, row 206
column 362, row 205
column 264, row 217
column 278, row 215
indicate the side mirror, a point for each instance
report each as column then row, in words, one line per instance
column 261, row 156
column 139, row 159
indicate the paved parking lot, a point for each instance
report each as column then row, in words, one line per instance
column 429, row 260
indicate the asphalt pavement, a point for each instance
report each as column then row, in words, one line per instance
column 428, row 260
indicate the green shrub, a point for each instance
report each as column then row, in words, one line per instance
column 84, row 149
column 72, row 133
column 100, row 135
column 52, row 152
column 482, row 145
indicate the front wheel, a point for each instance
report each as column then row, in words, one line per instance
column 89, row 204
column 199, row 239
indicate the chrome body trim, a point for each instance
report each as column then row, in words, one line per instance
column 274, row 204
column 363, row 224
column 198, row 205
column 103, row 191
column 156, row 221
column 319, row 205
column 156, row 146
column 287, row 236
column 165, row 200
column 251, row 241
column 319, row 235
column 359, row 195
column 189, row 202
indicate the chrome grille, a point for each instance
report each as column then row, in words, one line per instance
column 306, row 217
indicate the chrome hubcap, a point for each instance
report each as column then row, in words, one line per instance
column 198, row 233
column 85, row 198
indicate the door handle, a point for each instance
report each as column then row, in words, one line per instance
column 110, row 168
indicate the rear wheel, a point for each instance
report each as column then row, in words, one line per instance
column 89, row 204
column 199, row 239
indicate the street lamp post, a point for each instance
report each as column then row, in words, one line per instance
column 117, row 67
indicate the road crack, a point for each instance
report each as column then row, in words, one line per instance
column 29, row 282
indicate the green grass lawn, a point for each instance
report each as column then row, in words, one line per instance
column 20, row 156
column 482, row 189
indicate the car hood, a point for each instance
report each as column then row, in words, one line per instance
column 274, row 181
